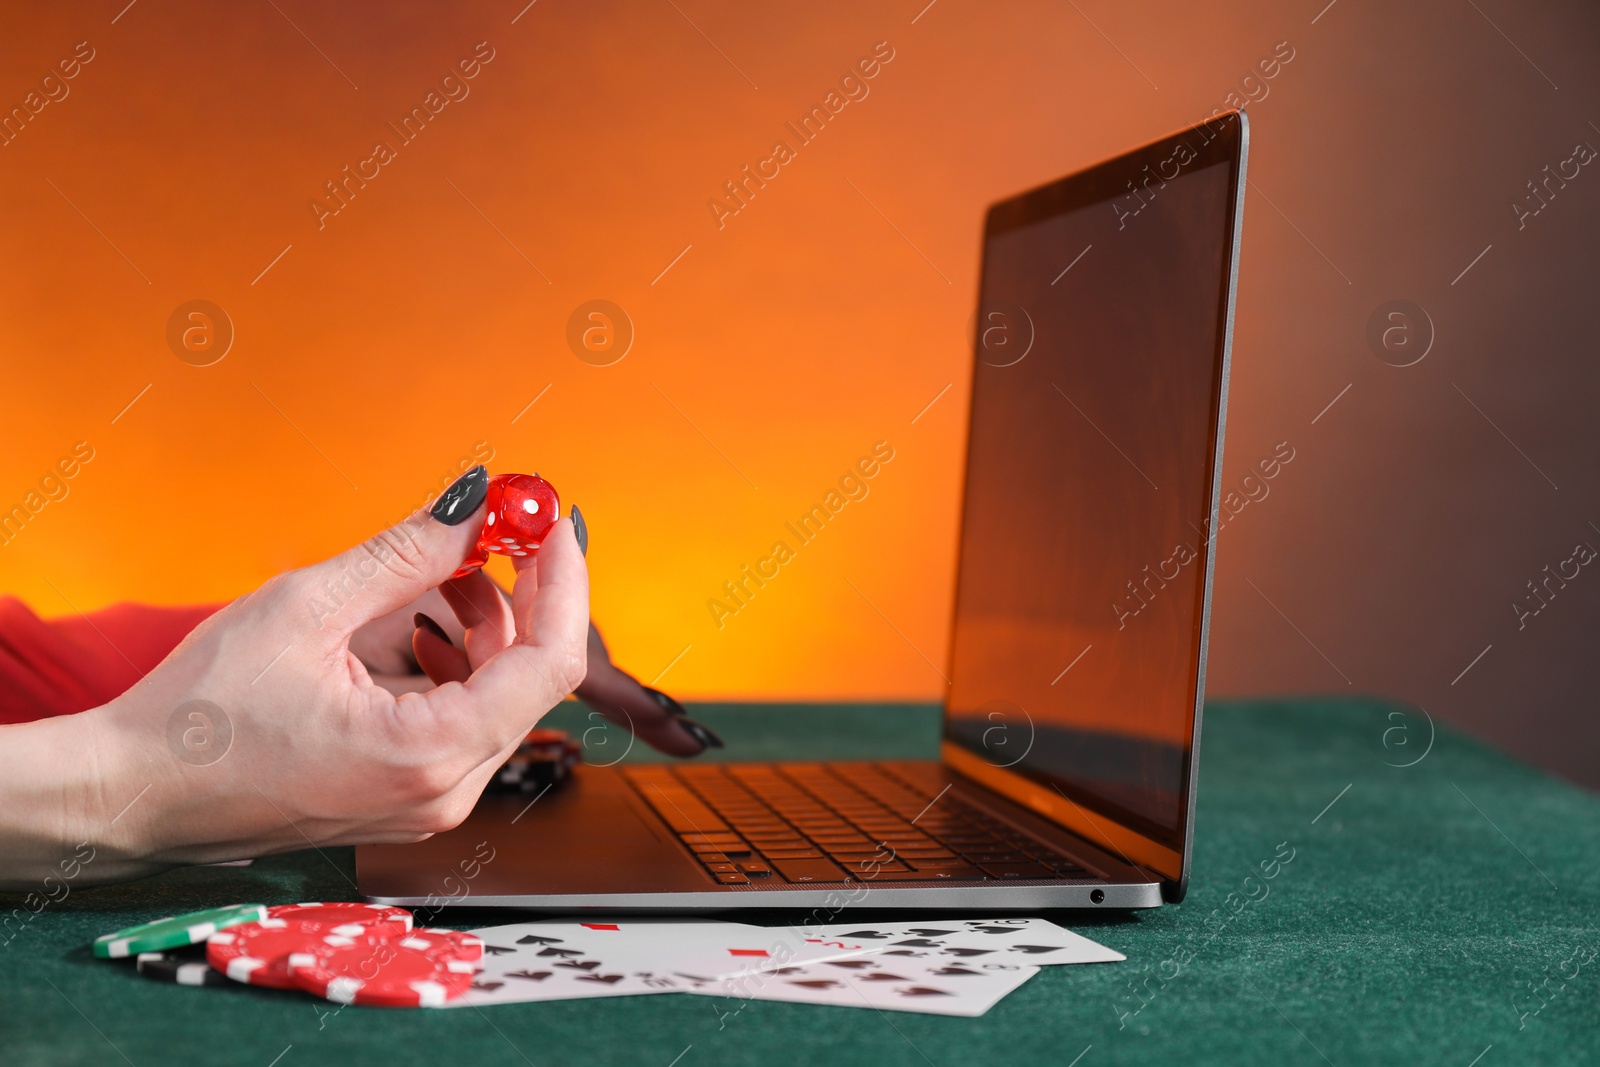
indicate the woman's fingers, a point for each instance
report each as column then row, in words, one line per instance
column 384, row 644
column 399, row 684
column 395, row 567
column 651, row 715
column 477, row 602
column 440, row 660
column 550, row 598
column 550, row 603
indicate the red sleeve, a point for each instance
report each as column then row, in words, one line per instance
column 60, row 666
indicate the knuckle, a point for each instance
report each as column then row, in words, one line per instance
column 397, row 551
column 442, row 815
column 424, row 782
column 570, row 667
column 287, row 587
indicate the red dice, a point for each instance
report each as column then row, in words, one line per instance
column 522, row 510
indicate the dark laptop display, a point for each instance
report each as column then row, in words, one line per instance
column 1078, row 638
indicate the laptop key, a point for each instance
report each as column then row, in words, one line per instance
column 734, row 878
column 986, row 858
column 1010, row 871
column 818, row 870
column 755, row 870
column 722, row 868
column 881, row 865
column 943, row 874
column 791, row 853
column 950, row 862
column 854, row 856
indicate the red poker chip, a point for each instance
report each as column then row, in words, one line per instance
column 379, row 972
column 257, row 953
column 378, row 918
column 444, row 944
column 541, row 736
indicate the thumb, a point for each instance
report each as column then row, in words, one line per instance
column 395, row 567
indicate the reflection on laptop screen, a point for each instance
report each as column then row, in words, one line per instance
column 1076, row 647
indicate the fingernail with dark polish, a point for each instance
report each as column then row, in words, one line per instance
column 670, row 706
column 457, row 503
column 580, row 529
column 423, row 622
column 701, row 733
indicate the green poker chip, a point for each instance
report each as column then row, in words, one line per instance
column 175, row 931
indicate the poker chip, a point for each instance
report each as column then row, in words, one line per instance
column 174, row 931
column 258, row 953
column 380, row 972
column 445, row 944
column 543, row 759
column 335, row 917
column 541, row 736
column 184, row 966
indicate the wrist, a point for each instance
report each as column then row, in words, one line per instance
column 58, row 782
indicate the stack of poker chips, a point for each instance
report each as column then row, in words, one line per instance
column 543, row 760
column 349, row 953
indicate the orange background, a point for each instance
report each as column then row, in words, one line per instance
column 821, row 319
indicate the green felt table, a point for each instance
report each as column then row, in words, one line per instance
column 1438, row 913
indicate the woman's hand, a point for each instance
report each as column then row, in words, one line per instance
column 262, row 732
column 393, row 647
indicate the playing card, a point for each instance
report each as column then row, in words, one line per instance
column 1031, row 941
column 565, row 960
column 947, row 968
column 945, row 987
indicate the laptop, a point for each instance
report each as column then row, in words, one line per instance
column 1076, row 666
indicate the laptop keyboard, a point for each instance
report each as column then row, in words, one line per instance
column 811, row 822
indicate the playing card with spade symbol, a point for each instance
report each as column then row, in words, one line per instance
column 567, row 960
column 932, row 987
column 1035, row 942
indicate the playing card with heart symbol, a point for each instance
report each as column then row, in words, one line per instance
column 564, row 960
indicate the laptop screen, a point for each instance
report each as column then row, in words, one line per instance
column 1077, row 655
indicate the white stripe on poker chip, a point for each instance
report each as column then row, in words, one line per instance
column 419, row 943
column 223, row 938
column 429, row 994
column 272, row 924
column 200, row 931
column 461, row 966
column 340, row 940
column 349, row 930
column 193, row 973
column 242, row 968
column 119, row 948
column 301, row 959
column 343, row 990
